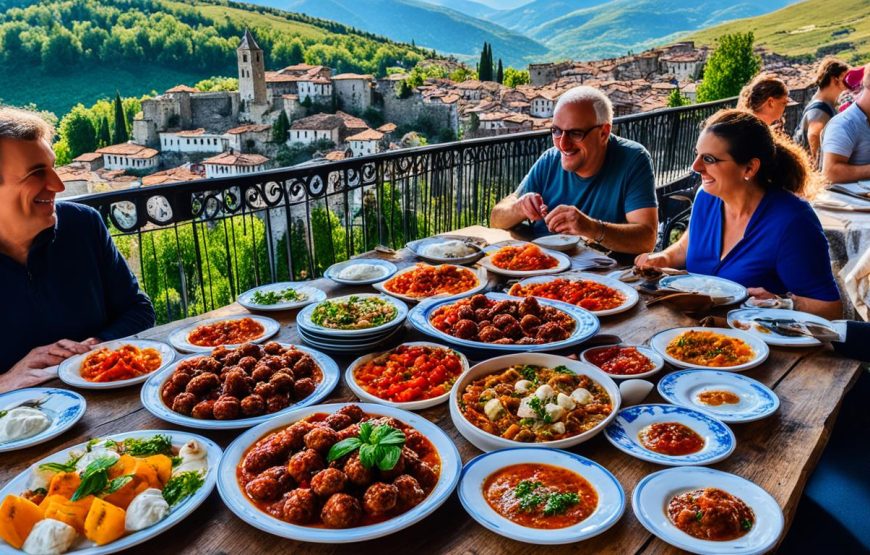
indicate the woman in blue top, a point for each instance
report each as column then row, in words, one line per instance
column 748, row 224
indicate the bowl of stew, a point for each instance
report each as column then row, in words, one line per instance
column 532, row 399
column 622, row 362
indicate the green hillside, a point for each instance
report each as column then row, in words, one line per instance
column 811, row 28
column 57, row 53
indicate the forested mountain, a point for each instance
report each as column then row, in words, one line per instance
column 444, row 29
column 56, row 53
column 468, row 7
column 812, row 28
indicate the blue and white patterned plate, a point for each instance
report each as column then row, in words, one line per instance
column 64, row 408
column 683, row 388
column 238, row 502
column 69, row 371
column 152, row 400
column 719, row 441
column 303, row 319
column 611, row 497
column 586, row 325
column 333, row 271
column 654, row 492
column 178, row 513
column 723, row 290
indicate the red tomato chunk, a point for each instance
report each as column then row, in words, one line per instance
column 409, row 373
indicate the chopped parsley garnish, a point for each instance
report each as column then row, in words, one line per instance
column 562, row 369
column 530, row 373
column 533, row 494
column 560, row 502
column 699, row 515
column 182, row 485
column 274, row 297
column 538, row 407
column 746, row 524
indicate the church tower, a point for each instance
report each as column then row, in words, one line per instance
column 252, row 72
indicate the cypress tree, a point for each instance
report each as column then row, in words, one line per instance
column 280, row 128
column 481, row 66
column 120, row 134
column 499, row 77
column 104, row 138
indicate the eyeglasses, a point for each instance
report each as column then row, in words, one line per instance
column 710, row 159
column 576, row 135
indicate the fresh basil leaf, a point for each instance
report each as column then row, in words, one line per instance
column 94, row 478
column 378, row 433
column 118, row 483
column 342, row 448
column 367, row 455
column 393, row 437
column 365, row 431
column 390, row 457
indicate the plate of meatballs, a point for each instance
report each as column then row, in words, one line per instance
column 324, row 473
column 500, row 322
column 240, row 387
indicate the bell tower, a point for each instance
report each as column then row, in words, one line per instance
column 252, row 72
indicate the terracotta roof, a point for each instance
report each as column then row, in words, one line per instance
column 450, row 98
column 236, row 159
column 275, row 77
column 351, row 76
column 87, row 157
column 73, row 172
column 352, row 122
column 318, row 122
column 367, row 135
column 471, row 84
column 387, row 128
column 172, row 175
column 299, row 68
column 335, row 155
column 191, row 132
column 250, row 128
column 181, row 89
column 129, row 149
column 315, row 80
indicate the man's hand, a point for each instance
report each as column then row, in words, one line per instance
column 568, row 219
column 532, row 206
column 33, row 369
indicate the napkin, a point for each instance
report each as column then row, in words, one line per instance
column 856, row 280
column 833, row 200
column 589, row 259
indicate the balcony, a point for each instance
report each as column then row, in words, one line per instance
column 195, row 246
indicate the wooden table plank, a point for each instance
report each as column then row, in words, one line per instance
column 811, row 384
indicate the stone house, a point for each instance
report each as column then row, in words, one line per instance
column 90, row 160
column 191, row 141
column 314, row 128
column 248, row 138
column 230, row 164
column 129, row 156
column 366, row 142
column 353, row 91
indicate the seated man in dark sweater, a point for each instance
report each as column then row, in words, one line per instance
column 65, row 286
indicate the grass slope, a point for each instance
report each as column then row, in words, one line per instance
column 808, row 29
column 59, row 92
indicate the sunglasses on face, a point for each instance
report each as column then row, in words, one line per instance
column 576, row 135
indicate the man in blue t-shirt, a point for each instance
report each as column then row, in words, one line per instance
column 591, row 183
column 65, row 285
column 846, row 143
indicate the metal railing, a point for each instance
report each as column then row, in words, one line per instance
column 195, row 246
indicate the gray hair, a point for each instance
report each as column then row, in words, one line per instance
column 23, row 125
column 600, row 103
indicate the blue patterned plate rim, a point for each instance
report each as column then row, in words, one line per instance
column 72, row 408
column 667, row 385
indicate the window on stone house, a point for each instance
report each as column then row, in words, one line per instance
column 244, row 57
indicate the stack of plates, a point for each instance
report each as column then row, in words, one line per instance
column 350, row 341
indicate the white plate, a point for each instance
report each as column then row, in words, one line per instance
column 388, row 270
column 479, row 273
column 313, row 295
column 771, row 337
column 660, row 342
column 178, row 338
column 563, row 261
column 586, row 325
column 347, row 347
column 237, row 501
column 611, row 497
column 69, row 370
column 151, row 398
column 654, row 357
column 474, row 242
column 559, row 242
column 486, row 441
column 303, row 319
column 178, row 513
column 729, row 291
column 757, row 401
column 719, row 441
column 64, row 408
column 653, row 493
column 629, row 292
column 412, row 405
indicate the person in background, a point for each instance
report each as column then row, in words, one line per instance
column 591, row 183
column 852, row 80
column 846, row 144
column 748, row 223
column 65, row 285
column 830, row 80
column 766, row 97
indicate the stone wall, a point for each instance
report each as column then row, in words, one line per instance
column 214, row 111
column 405, row 111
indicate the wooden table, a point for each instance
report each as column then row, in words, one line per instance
column 777, row 453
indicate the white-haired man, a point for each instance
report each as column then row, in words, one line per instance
column 591, row 183
column 846, row 142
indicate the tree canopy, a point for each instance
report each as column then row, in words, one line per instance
column 731, row 65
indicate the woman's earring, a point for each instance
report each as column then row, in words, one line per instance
column 745, row 178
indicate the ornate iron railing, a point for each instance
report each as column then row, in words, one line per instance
column 195, row 246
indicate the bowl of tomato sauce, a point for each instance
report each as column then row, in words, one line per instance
column 622, row 362
column 412, row 376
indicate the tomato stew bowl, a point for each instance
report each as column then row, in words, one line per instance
column 486, row 441
column 656, row 359
column 237, row 501
column 364, row 395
